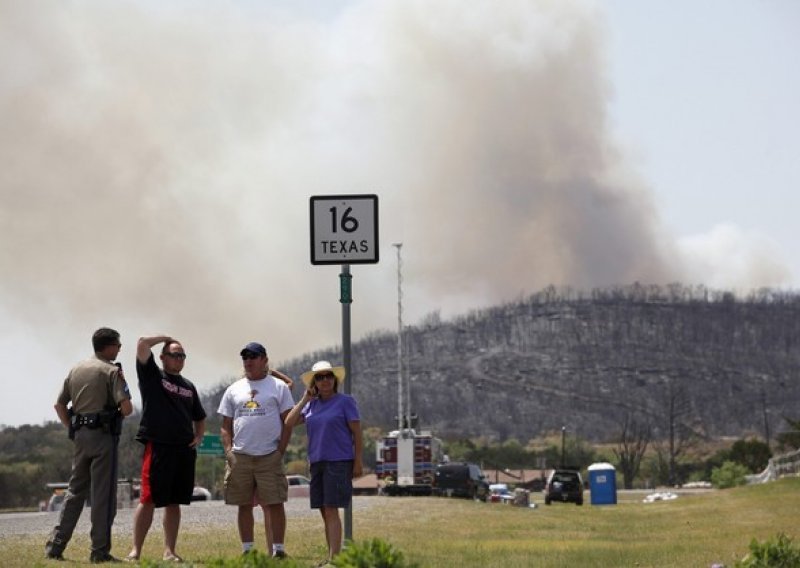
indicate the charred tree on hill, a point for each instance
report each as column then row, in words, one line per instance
column 523, row 367
column 634, row 437
column 679, row 421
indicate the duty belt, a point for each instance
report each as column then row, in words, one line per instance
column 91, row 421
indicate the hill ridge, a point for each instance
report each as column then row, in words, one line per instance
column 726, row 367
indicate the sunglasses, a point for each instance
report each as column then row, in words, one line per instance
column 176, row 355
column 248, row 356
column 322, row 377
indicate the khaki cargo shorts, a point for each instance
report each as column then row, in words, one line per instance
column 262, row 477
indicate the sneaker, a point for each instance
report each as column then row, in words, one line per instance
column 280, row 554
column 101, row 557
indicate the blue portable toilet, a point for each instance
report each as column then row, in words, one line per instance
column 603, row 484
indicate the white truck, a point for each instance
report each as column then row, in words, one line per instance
column 406, row 462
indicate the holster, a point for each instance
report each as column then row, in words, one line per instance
column 113, row 420
column 71, row 427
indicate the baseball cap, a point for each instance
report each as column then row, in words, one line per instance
column 254, row 347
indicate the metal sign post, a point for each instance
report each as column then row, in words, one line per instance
column 344, row 231
column 346, row 298
column 212, row 446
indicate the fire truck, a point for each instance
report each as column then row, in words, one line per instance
column 406, row 461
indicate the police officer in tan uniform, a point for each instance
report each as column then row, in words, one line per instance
column 100, row 398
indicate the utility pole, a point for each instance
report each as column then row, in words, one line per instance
column 398, row 246
column 563, row 438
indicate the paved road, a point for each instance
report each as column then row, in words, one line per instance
column 200, row 514
column 209, row 514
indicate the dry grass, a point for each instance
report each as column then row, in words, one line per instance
column 696, row 530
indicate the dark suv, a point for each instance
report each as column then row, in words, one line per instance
column 460, row 480
column 564, row 485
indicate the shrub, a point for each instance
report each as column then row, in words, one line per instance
column 771, row 554
column 253, row 559
column 729, row 474
column 374, row 553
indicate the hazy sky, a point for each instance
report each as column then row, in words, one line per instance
column 158, row 159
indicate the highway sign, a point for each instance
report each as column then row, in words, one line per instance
column 211, row 446
column 344, row 229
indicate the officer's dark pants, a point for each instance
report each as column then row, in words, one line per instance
column 94, row 476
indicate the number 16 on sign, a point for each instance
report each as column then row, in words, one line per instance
column 344, row 229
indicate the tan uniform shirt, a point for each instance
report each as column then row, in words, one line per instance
column 90, row 385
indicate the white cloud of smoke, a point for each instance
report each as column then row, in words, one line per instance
column 157, row 165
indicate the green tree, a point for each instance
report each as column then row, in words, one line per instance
column 509, row 454
column 579, row 453
column 458, row 450
column 752, row 453
column 730, row 474
column 370, row 436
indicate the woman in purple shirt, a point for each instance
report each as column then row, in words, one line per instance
column 333, row 427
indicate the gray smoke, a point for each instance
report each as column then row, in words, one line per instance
column 157, row 164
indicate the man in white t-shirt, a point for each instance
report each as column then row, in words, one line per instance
column 255, row 438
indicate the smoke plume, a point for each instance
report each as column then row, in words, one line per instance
column 157, row 164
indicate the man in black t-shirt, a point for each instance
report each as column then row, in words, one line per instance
column 171, row 427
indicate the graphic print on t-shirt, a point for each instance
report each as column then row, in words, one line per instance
column 252, row 407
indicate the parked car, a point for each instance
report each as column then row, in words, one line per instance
column 564, row 485
column 499, row 493
column 460, row 480
column 299, row 485
column 201, row 494
column 56, row 500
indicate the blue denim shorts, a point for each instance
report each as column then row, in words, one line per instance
column 331, row 484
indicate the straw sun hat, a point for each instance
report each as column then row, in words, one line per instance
column 323, row 367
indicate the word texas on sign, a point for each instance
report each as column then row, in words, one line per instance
column 344, row 229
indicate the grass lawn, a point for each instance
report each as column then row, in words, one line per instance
column 693, row 530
